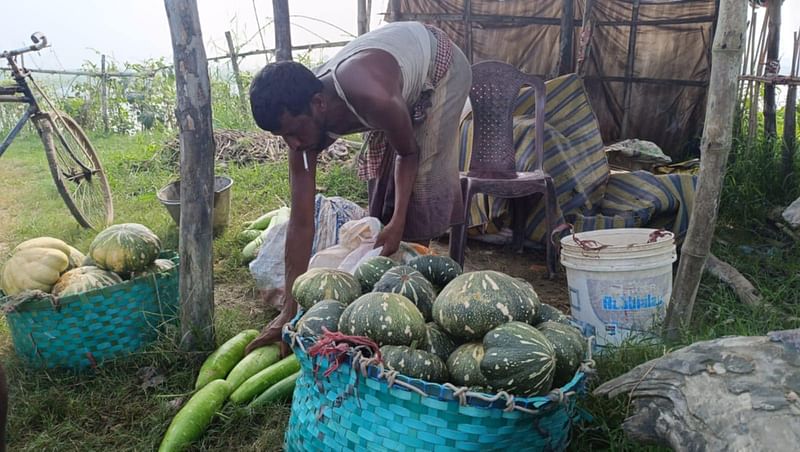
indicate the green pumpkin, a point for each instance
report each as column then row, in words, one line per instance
column 518, row 359
column 547, row 313
column 125, row 248
column 84, row 279
column 414, row 363
column 476, row 302
column 411, row 284
column 325, row 284
column 325, row 313
column 464, row 365
column 386, row 318
column 371, row 270
column 438, row 342
column 569, row 346
column 439, row 270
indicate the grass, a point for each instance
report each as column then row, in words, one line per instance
column 110, row 409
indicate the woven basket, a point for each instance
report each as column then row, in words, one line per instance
column 361, row 406
column 83, row 330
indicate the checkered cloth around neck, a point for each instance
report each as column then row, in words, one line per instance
column 369, row 162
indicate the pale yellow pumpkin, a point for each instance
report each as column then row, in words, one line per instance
column 75, row 257
column 45, row 242
column 33, row 269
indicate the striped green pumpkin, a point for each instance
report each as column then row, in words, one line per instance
column 325, row 313
column 84, row 279
column 125, row 248
column 414, row 363
column 371, row 270
column 411, row 284
column 325, row 284
column 474, row 303
column 386, row 318
column 568, row 344
column 464, row 365
column 438, row 342
column 439, row 270
column 518, row 359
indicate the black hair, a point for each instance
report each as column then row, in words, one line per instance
column 278, row 87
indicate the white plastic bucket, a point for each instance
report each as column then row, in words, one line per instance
column 620, row 284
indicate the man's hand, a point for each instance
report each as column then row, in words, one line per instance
column 272, row 334
column 389, row 238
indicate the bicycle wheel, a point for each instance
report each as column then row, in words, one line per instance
column 76, row 170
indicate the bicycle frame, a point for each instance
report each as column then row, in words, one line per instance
column 22, row 93
column 30, row 111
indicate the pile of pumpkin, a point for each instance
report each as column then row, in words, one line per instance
column 47, row 264
column 484, row 330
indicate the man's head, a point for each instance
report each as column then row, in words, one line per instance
column 286, row 99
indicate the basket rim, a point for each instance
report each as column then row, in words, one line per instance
column 45, row 301
column 449, row 392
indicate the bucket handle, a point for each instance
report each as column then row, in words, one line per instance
column 586, row 245
column 593, row 245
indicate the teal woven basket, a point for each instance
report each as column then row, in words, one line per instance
column 359, row 406
column 84, row 330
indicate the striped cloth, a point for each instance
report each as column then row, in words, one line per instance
column 589, row 196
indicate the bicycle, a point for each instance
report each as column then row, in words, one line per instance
column 73, row 161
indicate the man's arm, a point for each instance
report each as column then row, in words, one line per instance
column 299, row 239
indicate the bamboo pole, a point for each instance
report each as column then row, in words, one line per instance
column 587, row 26
column 364, row 7
column 236, row 74
column 104, row 92
column 790, row 120
column 717, row 137
column 756, row 68
column 260, row 30
column 626, row 102
column 566, row 45
column 193, row 113
column 283, row 34
column 773, row 49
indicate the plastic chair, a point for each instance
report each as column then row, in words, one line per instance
column 492, row 168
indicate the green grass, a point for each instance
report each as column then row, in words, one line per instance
column 110, row 410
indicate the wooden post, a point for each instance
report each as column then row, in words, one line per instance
column 565, row 54
column 790, row 119
column 773, row 49
column 717, row 137
column 104, row 92
column 193, row 113
column 626, row 98
column 364, row 10
column 283, row 34
column 237, row 76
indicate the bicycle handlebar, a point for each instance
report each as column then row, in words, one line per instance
column 39, row 42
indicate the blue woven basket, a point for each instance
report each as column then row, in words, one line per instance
column 357, row 408
column 83, row 330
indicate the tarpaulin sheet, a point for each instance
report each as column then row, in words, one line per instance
column 589, row 195
column 668, row 112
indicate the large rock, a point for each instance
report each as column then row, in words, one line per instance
column 792, row 214
column 729, row 394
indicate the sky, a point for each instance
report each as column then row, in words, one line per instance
column 135, row 30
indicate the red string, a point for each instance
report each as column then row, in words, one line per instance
column 337, row 346
column 657, row 234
